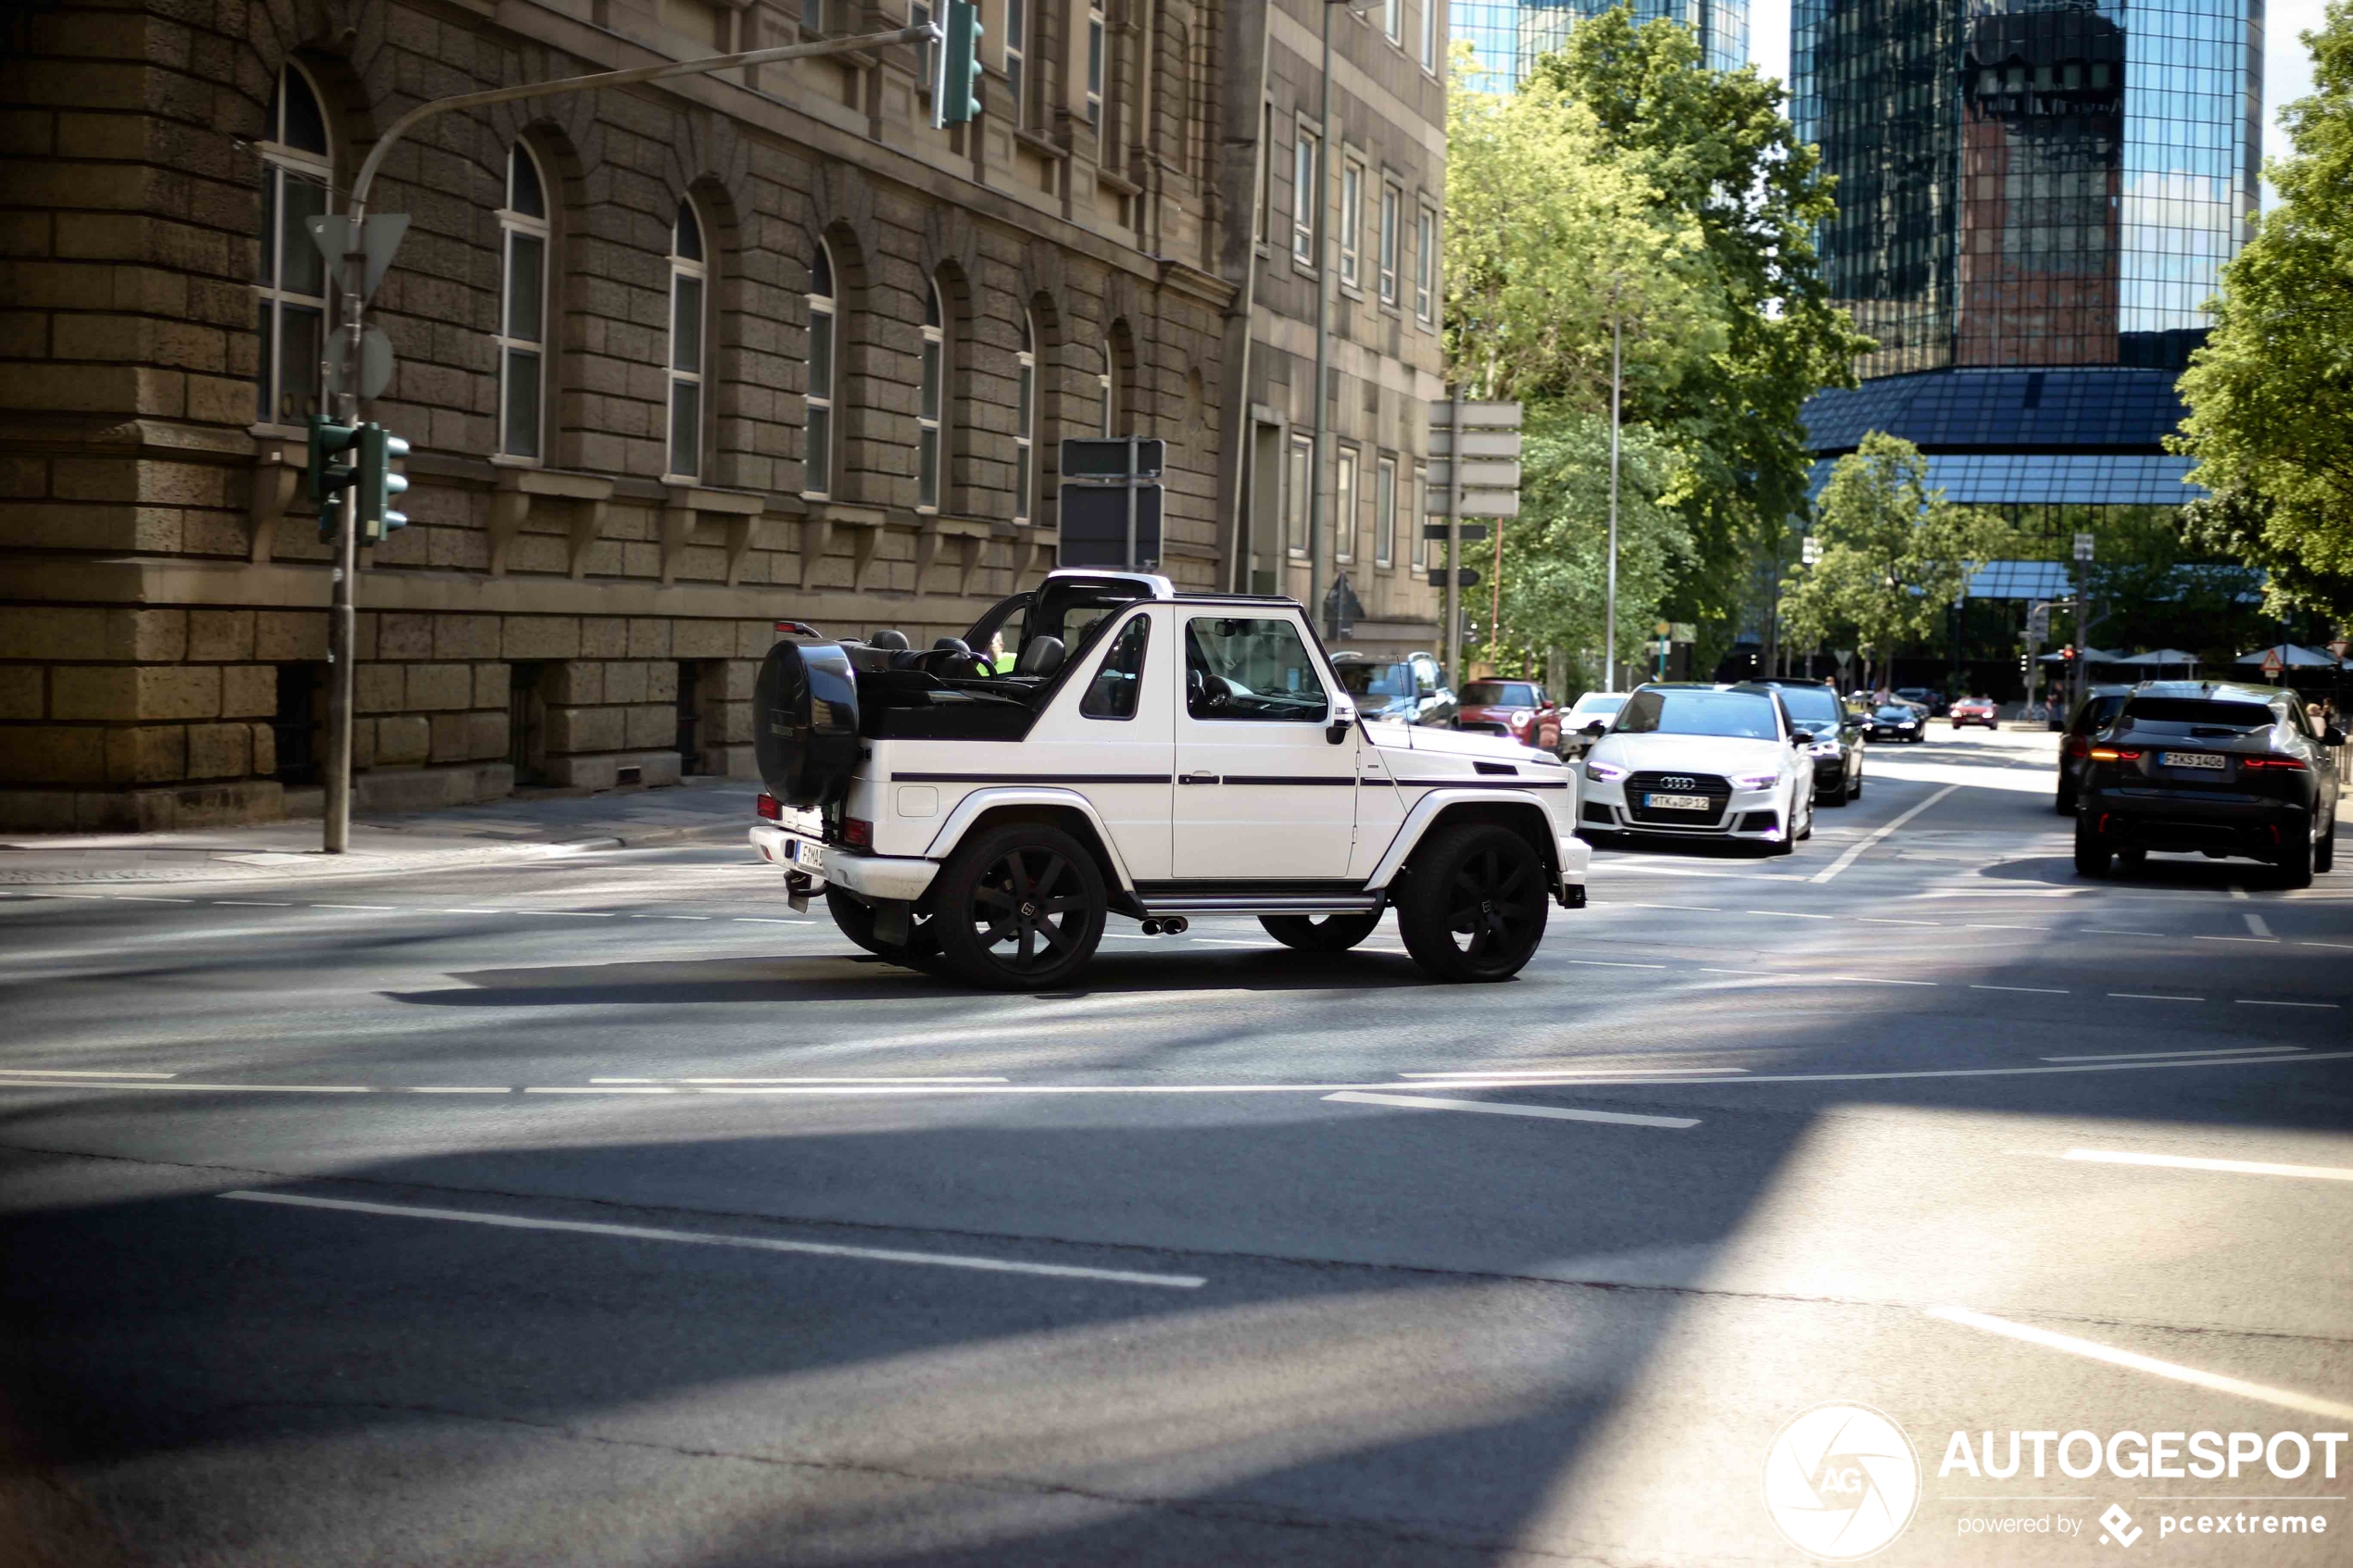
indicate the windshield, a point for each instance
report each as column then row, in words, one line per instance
column 1598, row 705
column 1499, row 694
column 2177, row 715
column 1066, row 607
column 1386, row 683
column 1898, row 713
column 1810, row 705
column 1737, row 715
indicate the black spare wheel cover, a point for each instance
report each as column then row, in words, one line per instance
column 805, row 723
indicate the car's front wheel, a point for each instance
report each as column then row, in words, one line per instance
column 1325, row 934
column 1474, row 907
column 1020, row 908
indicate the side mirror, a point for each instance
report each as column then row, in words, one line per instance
column 1799, row 737
column 1343, row 720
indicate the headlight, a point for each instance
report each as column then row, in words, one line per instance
column 1824, row 748
column 1603, row 772
column 1906, row 724
column 1519, row 720
column 1756, row 780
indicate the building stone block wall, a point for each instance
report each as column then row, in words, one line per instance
column 162, row 582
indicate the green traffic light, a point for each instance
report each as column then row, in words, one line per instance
column 378, row 484
column 955, row 98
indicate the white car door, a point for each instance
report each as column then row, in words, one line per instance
column 1263, row 793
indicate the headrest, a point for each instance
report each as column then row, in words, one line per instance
column 1039, row 655
column 888, row 638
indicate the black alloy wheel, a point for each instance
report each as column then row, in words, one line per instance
column 1324, row 934
column 1019, row 907
column 1474, row 907
column 856, row 918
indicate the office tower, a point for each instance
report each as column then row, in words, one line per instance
column 1510, row 35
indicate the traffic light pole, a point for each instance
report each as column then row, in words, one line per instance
column 342, row 613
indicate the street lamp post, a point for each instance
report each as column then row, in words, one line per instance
column 1609, row 611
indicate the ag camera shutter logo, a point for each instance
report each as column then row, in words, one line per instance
column 1841, row 1481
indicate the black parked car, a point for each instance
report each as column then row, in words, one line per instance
column 2099, row 705
column 1837, row 746
column 1898, row 720
column 2214, row 769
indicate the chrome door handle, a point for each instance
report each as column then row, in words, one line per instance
column 1203, row 778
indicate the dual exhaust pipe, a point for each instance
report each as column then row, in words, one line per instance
column 1172, row 925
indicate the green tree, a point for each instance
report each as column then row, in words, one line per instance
column 1555, row 552
column 1723, row 156
column 1894, row 554
column 2271, row 394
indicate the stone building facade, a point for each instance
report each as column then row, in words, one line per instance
column 677, row 361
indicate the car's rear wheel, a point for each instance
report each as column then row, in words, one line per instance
column 2066, row 802
column 2092, row 857
column 1473, row 907
column 2297, row 858
column 856, row 918
column 1320, row 934
column 1020, row 908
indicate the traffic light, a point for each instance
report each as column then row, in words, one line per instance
column 955, row 92
column 378, row 485
column 331, row 472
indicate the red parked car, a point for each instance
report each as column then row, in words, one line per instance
column 1517, row 709
column 1975, row 710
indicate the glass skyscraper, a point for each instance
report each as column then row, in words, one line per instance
column 2035, row 199
column 1509, row 35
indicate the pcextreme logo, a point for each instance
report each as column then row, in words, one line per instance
column 1841, row 1481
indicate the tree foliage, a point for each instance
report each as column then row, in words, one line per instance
column 2271, row 394
column 1894, row 554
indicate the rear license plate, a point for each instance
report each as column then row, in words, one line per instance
column 1676, row 802
column 808, row 856
column 2207, row 760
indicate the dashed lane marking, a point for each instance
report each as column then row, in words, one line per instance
column 2195, row 1162
column 2256, row 924
column 749, row 1243
column 2161, row 1056
column 2151, row 996
column 2030, row 990
column 2285, row 1399
column 1500, row 1108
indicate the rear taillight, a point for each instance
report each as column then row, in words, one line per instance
column 2076, row 745
column 2114, row 754
column 2281, row 764
column 771, row 808
column 858, row 832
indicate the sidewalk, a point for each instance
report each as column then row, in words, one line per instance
column 699, row 810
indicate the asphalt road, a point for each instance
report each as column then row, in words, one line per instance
column 601, row 1211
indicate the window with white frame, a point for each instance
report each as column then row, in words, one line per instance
column 1351, row 218
column 1017, row 60
column 1393, row 18
column 1295, row 493
column 1425, row 263
column 1305, row 197
column 1345, row 505
column 1385, row 513
column 1393, row 214
column 930, row 400
column 523, row 314
column 1107, row 385
column 1026, row 422
column 825, row 330
column 1429, row 34
column 688, row 274
column 1095, row 63
column 1260, row 224
column 1418, row 518
column 297, row 171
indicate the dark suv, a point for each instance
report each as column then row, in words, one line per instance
column 1837, row 746
column 2213, row 769
column 2099, row 705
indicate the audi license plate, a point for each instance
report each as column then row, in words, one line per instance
column 1676, row 802
column 806, row 855
column 2210, row 761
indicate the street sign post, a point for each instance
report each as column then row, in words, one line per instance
column 2273, row 664
column 1474, row 472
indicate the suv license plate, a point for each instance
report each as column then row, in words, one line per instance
column 2207, row 760
column 807, row 855
column 1676, row 802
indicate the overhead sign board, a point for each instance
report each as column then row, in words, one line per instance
column 1489, row 439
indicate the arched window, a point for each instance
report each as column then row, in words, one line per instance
column 930, row 398
column 817, row 461
column 688, row 274
column 1026, row 422
column 296, row 173
column 523, row 314
column 1108, row 385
